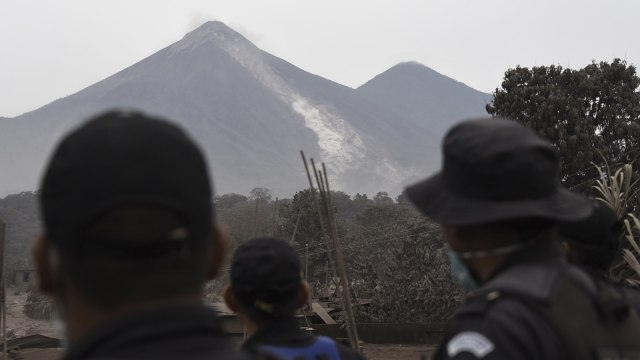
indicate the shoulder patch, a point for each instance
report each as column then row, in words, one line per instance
column 470, row 341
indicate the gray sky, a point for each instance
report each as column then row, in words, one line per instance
column 50, row 49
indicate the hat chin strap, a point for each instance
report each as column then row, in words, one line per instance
column 490, row 252
column 501, row 250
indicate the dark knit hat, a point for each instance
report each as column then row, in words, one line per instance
column 265, row 276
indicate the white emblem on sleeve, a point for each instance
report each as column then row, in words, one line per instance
column 472, row 342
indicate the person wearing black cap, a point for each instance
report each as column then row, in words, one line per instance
column 129, row 242
column 497, row 199
column 594, row 244
column 266, row 290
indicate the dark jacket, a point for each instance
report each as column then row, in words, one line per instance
column 185, row 332
column 632, row 294
column 287, row 333
column 529, row 309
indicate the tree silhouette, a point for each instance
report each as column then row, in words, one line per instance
column 588, row 114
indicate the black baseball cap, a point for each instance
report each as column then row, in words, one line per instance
column 123, row 159
column 265, row 276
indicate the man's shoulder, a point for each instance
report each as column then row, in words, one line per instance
column 501, row 311
column 495, row 326
column 188, row 332
column 531, row 280
column 633, row 296
column 287, row 347
column 518, row 304
column 191, row 354
column 345, row 351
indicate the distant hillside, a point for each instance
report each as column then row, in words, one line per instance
column 252, row 112
column 20, row 214
column 431, row 101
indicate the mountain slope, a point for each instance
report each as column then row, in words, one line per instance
column 236, row 120
column 431, row 101
column 250, row 112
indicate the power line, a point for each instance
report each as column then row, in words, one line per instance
column 367, row 241
column 579, row 172
column 360, row 244
column 369, row 230
column 363, row 243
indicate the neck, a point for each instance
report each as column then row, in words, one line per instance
column 543, row 246
column 82, row 317
column 485, row 268
column 250, row 327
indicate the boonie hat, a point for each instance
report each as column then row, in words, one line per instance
column 495, row 169
column 125, row 159
column 265, row 275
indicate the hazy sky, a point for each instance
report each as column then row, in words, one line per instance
column 50, row 49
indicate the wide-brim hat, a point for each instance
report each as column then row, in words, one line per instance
column 495, row 169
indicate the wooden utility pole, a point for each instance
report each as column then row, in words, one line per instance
column 295, row 229
column 306, row 263
column 327, row 243
column 255, row 220
column 3, row 292
column 346, row 293
column 332, row 240
column 274, row 221
column 328, row 238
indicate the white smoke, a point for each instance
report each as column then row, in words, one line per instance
column 339, row 142
column 198, row 18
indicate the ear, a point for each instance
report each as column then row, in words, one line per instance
column 568, row 252
column 46, row 272
column 564, row 246
column 303, row 295
column 230, row 299
column 450, row 235
column 217, row 251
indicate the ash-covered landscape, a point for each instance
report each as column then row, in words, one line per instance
column 239, row 102
column 253, row 112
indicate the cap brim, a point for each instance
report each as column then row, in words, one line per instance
column 432, row 198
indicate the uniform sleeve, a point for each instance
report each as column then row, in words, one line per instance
column 509, row 330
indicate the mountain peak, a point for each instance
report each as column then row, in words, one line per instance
column 210, row 32
column 409, row 64
column 212, row 26
column 410, row 72
column 412, row 66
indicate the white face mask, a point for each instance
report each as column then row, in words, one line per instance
column 59, row 325
column 461, row 272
